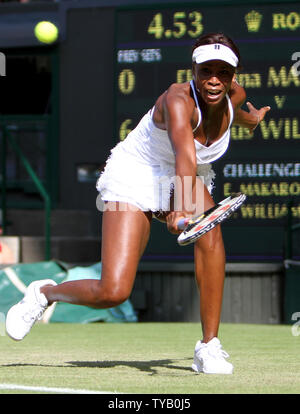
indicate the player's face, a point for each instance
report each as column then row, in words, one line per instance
column 213, row 80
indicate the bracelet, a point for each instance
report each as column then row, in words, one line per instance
column 258, row 121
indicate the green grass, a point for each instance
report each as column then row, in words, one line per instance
column 150, row 358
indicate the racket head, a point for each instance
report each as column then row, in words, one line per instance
column 200, row 225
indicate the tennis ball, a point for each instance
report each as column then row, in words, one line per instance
column 46, row 32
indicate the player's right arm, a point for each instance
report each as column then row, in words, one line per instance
column 178, row 110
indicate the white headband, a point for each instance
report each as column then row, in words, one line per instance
column 215, row 51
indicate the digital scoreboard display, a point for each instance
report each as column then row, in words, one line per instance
column 153, row 50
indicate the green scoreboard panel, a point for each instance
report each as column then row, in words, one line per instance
column 153, row 50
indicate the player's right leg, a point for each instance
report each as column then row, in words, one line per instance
column 124, row 237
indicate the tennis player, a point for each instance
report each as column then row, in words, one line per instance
column 186, row 130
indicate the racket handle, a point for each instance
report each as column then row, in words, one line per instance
column 182, row 223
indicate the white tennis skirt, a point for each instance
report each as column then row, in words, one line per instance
column 128, row 178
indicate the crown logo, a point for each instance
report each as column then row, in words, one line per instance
column 253, row 20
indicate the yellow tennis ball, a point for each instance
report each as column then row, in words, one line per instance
column 46, row 32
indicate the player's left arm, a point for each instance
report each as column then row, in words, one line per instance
column 243, row 118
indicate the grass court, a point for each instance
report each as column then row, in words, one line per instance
column 147, row 358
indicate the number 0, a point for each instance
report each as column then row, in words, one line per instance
column 126, row 81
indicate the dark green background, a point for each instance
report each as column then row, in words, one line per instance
column 245, row 239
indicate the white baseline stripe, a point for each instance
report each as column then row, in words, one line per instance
column 51, row 389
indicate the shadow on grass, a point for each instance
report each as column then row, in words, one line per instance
column 145, row 366
column 151, row 367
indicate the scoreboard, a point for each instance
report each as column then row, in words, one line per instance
column 153, row 49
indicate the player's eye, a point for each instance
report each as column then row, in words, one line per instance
column 224, row 72
column 205, row 71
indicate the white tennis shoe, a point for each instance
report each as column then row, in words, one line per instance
column 21, row 317
column 209, row 358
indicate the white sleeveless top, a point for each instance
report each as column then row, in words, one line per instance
column 153, row 144
column 217, row 148
column 147, row 154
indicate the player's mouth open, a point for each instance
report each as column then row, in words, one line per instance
column 213, row 92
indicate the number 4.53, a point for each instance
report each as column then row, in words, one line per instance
column 183, row 24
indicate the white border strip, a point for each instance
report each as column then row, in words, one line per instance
column 48, row 313
column 16, row 387
column 15, row 280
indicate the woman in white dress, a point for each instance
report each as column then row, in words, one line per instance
column 186, row 130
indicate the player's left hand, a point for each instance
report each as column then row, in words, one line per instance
column 258, row 113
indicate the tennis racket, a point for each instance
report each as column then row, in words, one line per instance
column 194, row 228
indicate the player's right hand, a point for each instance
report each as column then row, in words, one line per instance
column 172, row 219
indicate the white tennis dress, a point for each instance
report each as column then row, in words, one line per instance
column 141, row 169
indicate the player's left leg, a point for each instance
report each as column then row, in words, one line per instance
column 209, row 256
